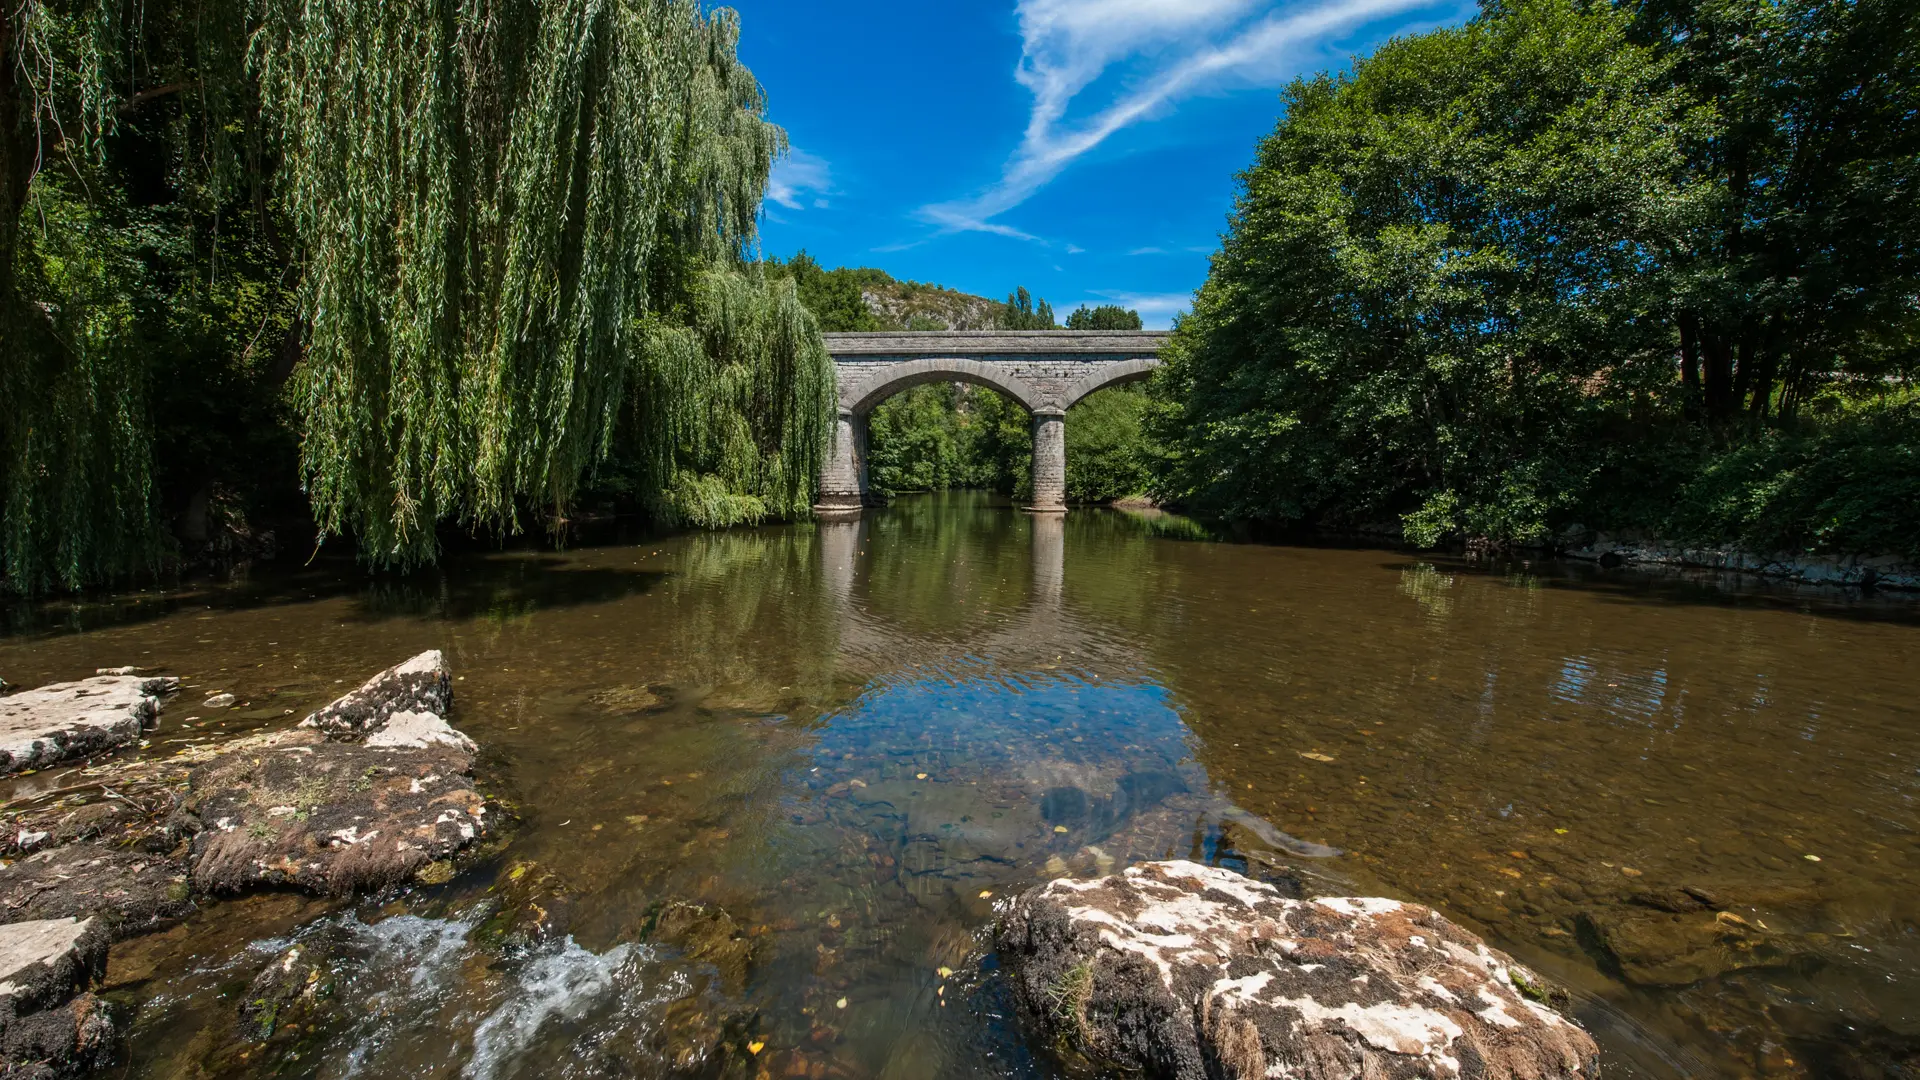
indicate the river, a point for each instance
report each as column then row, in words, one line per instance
column 1690, row 801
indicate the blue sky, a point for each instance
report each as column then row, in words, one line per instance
column 1083, row 148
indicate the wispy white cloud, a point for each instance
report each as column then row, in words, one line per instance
column 1148, row 251
column 800, row 180
column 1185, row 47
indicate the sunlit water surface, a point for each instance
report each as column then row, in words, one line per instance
column 858, row 738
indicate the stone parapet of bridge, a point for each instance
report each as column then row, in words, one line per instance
column 1046, row 371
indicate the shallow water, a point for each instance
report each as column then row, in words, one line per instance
column 857, row 738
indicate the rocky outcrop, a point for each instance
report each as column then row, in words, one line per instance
column 414, row 693
column 50, row 1026
column 373, row 792
column 329, row 817
column 127, row 892
column 1174, row 969
column 72, row 720
column 368, row 792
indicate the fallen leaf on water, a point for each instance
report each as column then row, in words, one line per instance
column 986, row 894
column 841, row 1004
column 756, row 1047
column 1630, row 871
column 1059, row 828
column 1316, row 757
column 1811, row 858
column 920, row 776
column 1560, row 832
column 945, row 972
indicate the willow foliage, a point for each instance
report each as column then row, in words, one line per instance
column 481, row 241
column 76, row 475
column 735, row 405
column 495, row 194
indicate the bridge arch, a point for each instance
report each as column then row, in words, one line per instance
column 1114, row 374
column 1045, row 371
column 861, row 398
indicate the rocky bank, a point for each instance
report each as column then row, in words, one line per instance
column 374, row 790
column 1174, row 969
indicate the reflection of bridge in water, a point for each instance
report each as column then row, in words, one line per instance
column 1045, row 634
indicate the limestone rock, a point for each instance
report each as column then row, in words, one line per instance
column 421, row 685
column 369, row 792
column 70, row 720
column 1174, row 969
column 329, row 817
column 128, row 892
column 49, row 1025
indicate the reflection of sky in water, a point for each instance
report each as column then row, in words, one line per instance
column 1624, row 695
column 988, row 715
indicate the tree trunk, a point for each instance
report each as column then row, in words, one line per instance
column 1690, row 360
column 1718, row 375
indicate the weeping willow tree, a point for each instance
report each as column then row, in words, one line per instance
column 75, row 481
column 512, row 233
column 520, row 218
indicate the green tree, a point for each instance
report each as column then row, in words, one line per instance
column 1104, row 317
column 1107, row 450
column 836, row 297
column 1020, row 313
column 1434, row 291
column 1803, row 262
column 478, row 245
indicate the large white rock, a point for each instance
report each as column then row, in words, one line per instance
column 1174, row 969
column 71, row 720
column 50, row 958
column 50, row 1026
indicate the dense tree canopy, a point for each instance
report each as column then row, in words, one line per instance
column 1104, row 317
column 477, row 242
column 1480, row 284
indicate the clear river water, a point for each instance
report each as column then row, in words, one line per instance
column 1689, row 801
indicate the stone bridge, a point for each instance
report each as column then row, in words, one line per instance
column 1046, row 371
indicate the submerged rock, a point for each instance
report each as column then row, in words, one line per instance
column 71, row 720
column 50, row 1026
column 290, row 990
column 708, row 935
column 1174, row 969
column 1678, row 948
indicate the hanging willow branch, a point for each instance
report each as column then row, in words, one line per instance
column 517, row 229
column 489, row 192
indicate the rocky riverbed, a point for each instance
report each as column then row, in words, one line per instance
column 374, row 791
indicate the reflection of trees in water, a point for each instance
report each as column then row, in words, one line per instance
column 747, row 619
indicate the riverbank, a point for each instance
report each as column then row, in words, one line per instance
column 1870, row 572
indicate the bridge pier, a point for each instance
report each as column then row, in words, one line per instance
column 843, row 476
column 1049, row 463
